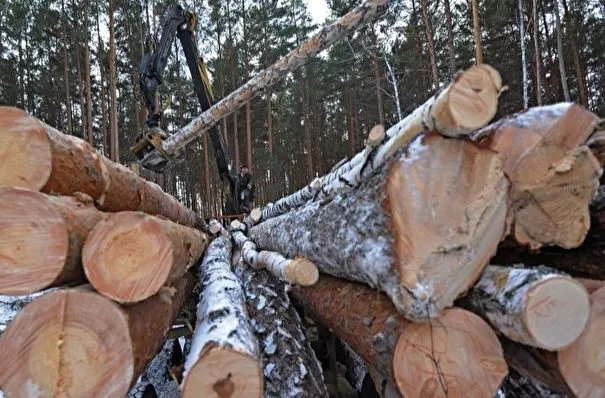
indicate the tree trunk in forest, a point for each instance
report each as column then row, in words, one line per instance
column 450, row 38
column 305, row 94
column 537, row 56
column 554, row 175
column 378, row 78
column 223, row 357
column 113, row 108
column 130, row 256
column 207, row 181
column 525, row 81
column 235, row 141
column 42, row 239
column 560, row 53
column 291, row 368
column 402, row 351
column 518, row 385
column 41, row 158
column 70, row 127
column 535, row 306
column 393, row 81
column 248, row 135
column 102, row 98
column 572, row 33
column 477, row 33
column 423, row 269
column 431, row 42
column 77, row 343
column 87, row 81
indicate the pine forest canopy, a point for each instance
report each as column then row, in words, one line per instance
column 74, row 64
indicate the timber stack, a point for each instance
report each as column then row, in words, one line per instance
column 453, row 257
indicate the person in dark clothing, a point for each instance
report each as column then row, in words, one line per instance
column 245, row 188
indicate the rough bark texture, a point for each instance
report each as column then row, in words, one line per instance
column 518, row 385
column 291, row 368
column 582, row 362
column 539, row 307
column 401, row 350
column 327, row 36
column 129, row 256
column 38, row 157
column 553, row 175
column 586, row 261
column 158, row 375
column 223, row 357
column 421, row 229
column 42, row 239
column 477, row 33
column 77, row 343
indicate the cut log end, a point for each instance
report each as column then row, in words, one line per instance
column 215, row 227
column 456, row 354
column 256, row 214
column 376, row 135
column 24, row 149
column 34, row 244
column 128, row 257
column 582, row 364
column 556, row 312
column 473, row 98
column 81, row 348
column 302, row 272
column 224, row 373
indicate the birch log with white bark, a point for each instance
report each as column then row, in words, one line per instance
column 223, row 360
column 299, row 271
column 421, row 229
column 553, row 174
column 535, row 306
column 291, row 368
column 328, row 35
column 469, row 102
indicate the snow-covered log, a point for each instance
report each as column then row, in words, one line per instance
column 325, row 37
column 453, row 354
column 223, row 359
column 129, row 256
column 534, row 306
column 290, row 366
column 469, row 102
column 77, row 343
column 42, row 238
column 299, row 271
column 38, row 157
column 421, row 229
column 553, row 175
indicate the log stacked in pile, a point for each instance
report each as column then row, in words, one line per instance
column 418, row 253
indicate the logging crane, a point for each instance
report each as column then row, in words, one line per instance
column 182, row 24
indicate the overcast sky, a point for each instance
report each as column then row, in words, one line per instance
column 318, row 10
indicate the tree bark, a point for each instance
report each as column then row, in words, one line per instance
column 450, row 38
column 327, row 36
column 560, row 53
column 70, row 127
column 113, row 108
column 291, row 368
column 223, row 357
column 77, row 343
column 575, row 50
column 102, row 99
column 402, row 351
column 431, row 42
column 42, row 239
column 537, row 55
column 553, row 175
column 41, row 158
column 130, row 256
column 518, row 385
column 448, row 112
column 539, row 306
column 429, row 241
column 477, row 32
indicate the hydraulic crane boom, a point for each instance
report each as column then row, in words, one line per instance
column 182, row 25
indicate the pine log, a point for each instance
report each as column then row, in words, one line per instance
column 585, row 261
column 325, row 37
column 422, row 229
column 38, row 157
column 42, row 239
column 518, row 385
column 469, row 102
column 457, row 354
column 553, row 175
column 534, row 306
column 582, row 363
column 299, row 271
column 223, row 358
column 291, row 368
column 129, row 256
column 77, row 343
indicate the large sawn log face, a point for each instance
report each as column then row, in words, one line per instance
column 291, row 368
column 421, row 229
column 78, row 343
column 464, row 358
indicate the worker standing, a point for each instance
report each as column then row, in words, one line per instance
column 245, row 188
